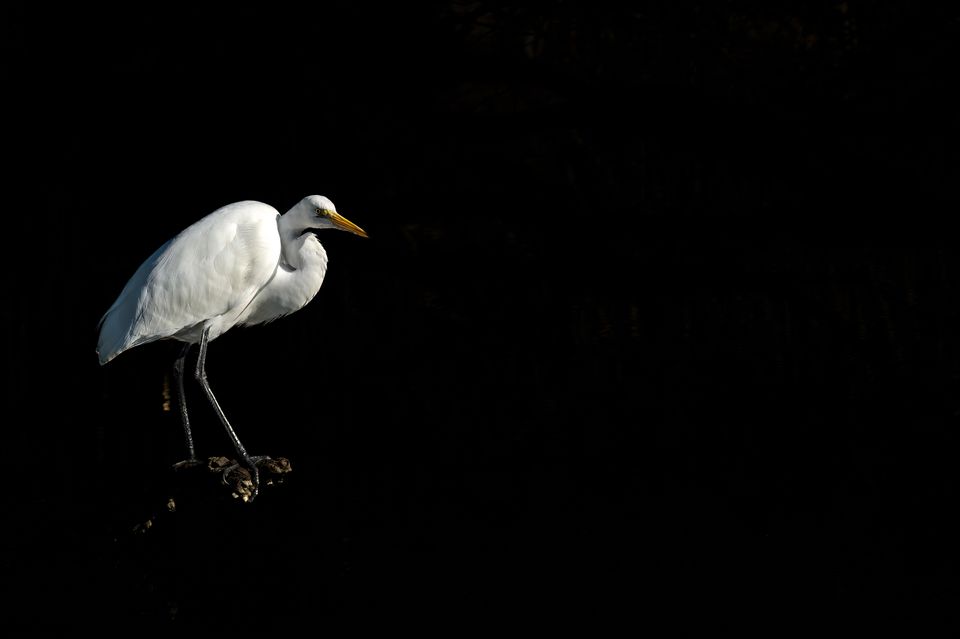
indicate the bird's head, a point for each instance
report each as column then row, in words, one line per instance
column 316, row 212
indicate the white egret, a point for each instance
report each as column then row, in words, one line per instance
column 243, row 264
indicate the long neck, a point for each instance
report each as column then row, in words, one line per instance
column 303, row 256
column 291, row 241
column 297, row 280
column 306, row 266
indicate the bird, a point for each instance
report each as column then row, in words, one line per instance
column 241, row 265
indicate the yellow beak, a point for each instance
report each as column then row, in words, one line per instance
column 344, row 224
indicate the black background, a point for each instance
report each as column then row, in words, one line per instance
column 658, row 320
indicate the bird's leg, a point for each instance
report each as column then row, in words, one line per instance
column 201, row 375
column 178, row 367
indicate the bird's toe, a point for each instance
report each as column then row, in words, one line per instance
column 241, row 480
column 187, row 463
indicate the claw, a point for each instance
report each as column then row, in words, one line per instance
column 187, row 463
column 245, row 486
column 244, row 478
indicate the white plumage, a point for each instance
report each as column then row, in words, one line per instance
column 242, row 264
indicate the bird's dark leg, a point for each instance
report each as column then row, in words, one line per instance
column 201, row 375
column 178, row 367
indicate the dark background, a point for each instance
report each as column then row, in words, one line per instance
column 658, row 320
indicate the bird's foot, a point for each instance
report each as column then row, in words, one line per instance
column 278, row 466
column 192, row 462
column 245, row 478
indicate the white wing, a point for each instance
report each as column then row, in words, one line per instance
column 205, row 276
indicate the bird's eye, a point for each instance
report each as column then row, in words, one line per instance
column 322, row 212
